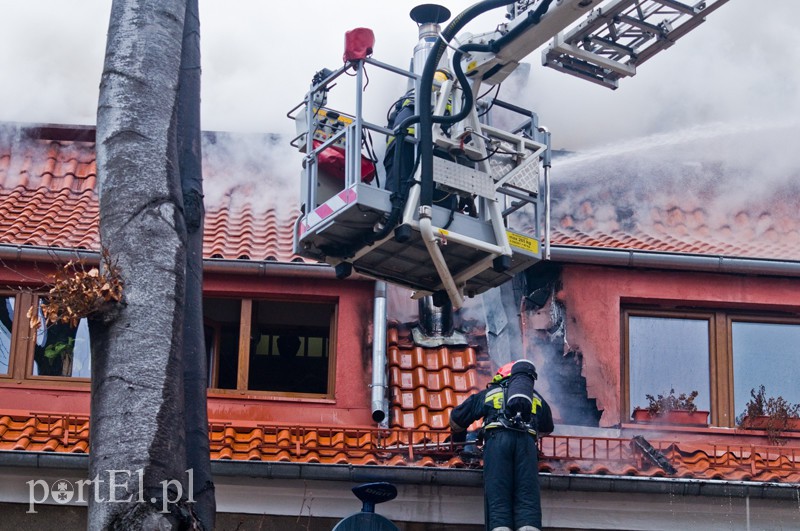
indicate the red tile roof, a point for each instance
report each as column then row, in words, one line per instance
column 560, row 455
column 48, row 177
column 667, row 203
column 48, row 199
column 425, row 384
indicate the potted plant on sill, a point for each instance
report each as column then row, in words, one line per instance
column 774, row 415
column 671, row 409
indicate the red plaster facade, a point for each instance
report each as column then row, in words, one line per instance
column 349, row 407
column 594, row 297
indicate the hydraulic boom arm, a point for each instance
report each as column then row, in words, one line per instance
column 617, row 36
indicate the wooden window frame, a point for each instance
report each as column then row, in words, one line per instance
column 30, row 340
column 243, row 367
column 19, row 330
column 213, row 370
column 729, row 319
column 627, row 313
column 720, row 322
column 23, row 342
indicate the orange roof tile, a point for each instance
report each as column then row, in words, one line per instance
column 560, row 455
column 47, row 197
column 425, row 384
column 661, row 202
column 48, row 177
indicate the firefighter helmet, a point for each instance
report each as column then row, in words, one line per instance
column 518, row 366
column 503, row 372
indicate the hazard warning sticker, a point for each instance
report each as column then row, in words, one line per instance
column 523, row 242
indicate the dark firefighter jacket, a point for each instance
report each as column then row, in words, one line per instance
column 488, row 405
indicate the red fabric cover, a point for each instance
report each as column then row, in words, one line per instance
column 358, row 44
column 331, row 160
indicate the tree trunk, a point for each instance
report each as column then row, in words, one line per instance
column 137, row 452
column 195, row 369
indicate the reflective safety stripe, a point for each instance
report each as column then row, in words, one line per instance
column 518, row 395
column 408, row 102
column 495, row 396
column 390, row 139
column 537, row 403
column 499, row 424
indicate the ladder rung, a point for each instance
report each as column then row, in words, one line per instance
column 679, row 6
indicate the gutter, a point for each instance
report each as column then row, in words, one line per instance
column 441, row 477
column 263, row 268
column 29, row 253
column 558, row 253
column 684, row 262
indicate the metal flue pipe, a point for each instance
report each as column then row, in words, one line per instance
column 379, row 353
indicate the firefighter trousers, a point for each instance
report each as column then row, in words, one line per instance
column 511, row 479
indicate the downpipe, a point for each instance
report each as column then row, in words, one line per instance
column 379, row 353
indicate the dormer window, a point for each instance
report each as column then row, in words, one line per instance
column 287, row 350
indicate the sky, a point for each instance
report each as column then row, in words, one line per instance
column 258, row 57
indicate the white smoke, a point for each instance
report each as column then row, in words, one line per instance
column 724, row 176
column 258, row 59
column 734, row 67
column 251, row 170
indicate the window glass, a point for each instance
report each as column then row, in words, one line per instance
column 62, row 350
column 6, row 322
column 291, row 353
column 765, row 354
column 668, row 353
column 288, row 349
column 222, row 340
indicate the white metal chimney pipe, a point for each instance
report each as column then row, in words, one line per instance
column 379, row 353
column 428, row 17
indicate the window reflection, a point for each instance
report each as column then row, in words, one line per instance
column 765, row 354
column 6, row 323
column 668, row 353
column 62, row 350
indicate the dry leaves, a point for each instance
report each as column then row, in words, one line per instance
column 78, row 293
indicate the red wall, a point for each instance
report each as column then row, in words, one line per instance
column 353, row 353
column 593, row 297
column 351, row 403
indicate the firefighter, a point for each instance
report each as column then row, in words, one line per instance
column 510, row 452
column 399, row 157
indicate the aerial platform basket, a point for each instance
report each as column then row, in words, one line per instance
column 450, row 252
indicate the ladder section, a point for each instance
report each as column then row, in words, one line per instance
column 623, row 34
